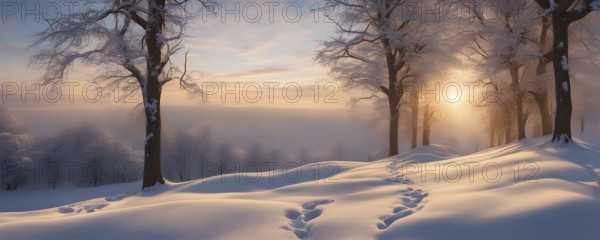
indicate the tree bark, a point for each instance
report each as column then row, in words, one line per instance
column 152, row 93
column 542, row 102
column 393, row 136
column 562, row 82
column 393, row 101
column 541, row 95
column 514, row 74
column 394, row 91
column 508, row 127
column 415, row 119
column 152, row 149
column 491, row 133
column 508, row 135
column 426, row 125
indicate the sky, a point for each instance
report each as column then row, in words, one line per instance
column 246, row 42
column 270, row 56
column 274, row 51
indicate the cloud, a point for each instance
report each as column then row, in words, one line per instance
column 260, row 71
column 252, row 48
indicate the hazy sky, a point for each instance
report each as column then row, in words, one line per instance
column 238, row 45
column 232, row 47
column 248, row 41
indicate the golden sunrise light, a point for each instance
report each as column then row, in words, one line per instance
column 299, row 119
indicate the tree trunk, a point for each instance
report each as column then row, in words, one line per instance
column 152, row 166
column 426, row 125
column 394, row 92
column 181, row 174
column 415, row 119
column 393, row 135
column 508, row 135
column 514, row 74
column 537, row 129
column 151, row 91
column 491, row 136
column 562, row 83
column 541, row 95
column 508, row 127
column 542, row 102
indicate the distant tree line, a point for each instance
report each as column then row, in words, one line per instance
column 89, row 156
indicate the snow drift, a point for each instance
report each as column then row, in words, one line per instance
column 528, row 190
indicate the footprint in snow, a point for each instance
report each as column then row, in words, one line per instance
column 117, row 198
column 73, row 208
column 299, row 220
column 395, row 169
column 409, row 202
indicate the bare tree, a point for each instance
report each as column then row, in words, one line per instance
column 204, row 148
column 256, row 155
column 12, row 161
column 564, row 13
column 428, row 72
column 506, row 46
column 541, row 95
column 303, row 157
column 185, row 152
column 182, row 151
column 131, row 40
column 101, row 157
column 13, row 156
column 372, row 51
column 339, row 151
column 429, row 111
column 414, row 108
column 8, row 124
column 227, row 158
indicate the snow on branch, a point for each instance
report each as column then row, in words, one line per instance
column 115, row 39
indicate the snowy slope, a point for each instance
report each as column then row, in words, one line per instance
column 416, row 195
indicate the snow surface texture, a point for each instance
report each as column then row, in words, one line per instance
column 416, row 195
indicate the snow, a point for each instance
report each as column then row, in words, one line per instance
column 160, row 39
column 148, row 137
column 542, row 190
column 565, row 63
column 552, row 7
column 152, row 106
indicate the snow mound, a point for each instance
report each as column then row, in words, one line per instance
column 527, row 190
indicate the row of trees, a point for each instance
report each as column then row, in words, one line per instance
column 87, row 155
column 130, row 40
column 12, row 150
column 509, row 54
column 195, row 154
column 83, row 156
column 515, row 54
column 380, row 47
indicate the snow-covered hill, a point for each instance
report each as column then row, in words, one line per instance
column 527, row 190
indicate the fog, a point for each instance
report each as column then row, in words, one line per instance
column 289, row 130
